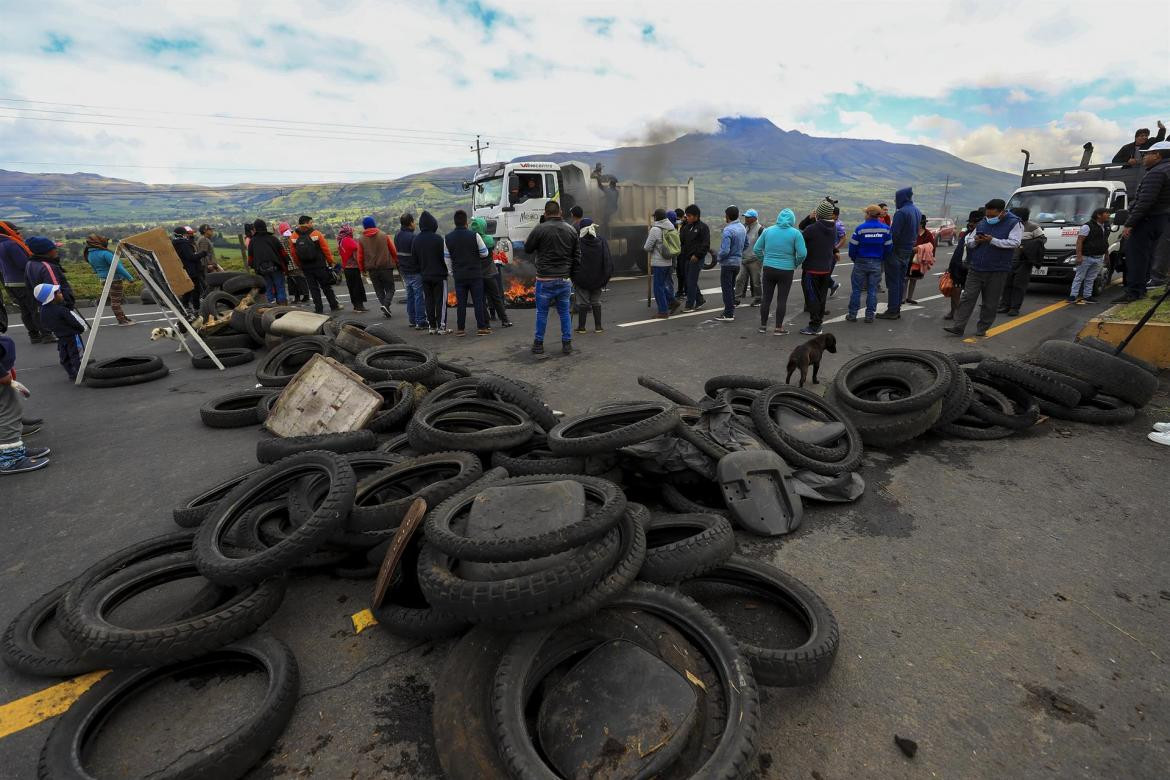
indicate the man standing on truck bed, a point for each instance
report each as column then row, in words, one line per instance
column 558, row 253
column 1147, row 220
column 1128, row 154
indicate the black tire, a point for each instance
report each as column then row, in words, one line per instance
column 234, row 410
column 893, row 365
column 120, row 367
column 281, row 364
column 227, row 339
column 126, row 381
column 62, row 757
column 1034, row 379
column 196, row 509
column 666, row 391
column 534, row 457
column 679, row 547
column 621, row 426
column 464, row 387
column 233, row 618
column 215, row 304
column 794, row 452
column 239, row 320
column 399, row 444
column 1086, row 389
column 1110, row 349
column 609, row 503
column 1024, row 409
column 1099, row 410
column 422, row 362
column 459, row 371
column 783, row 667
column 737, row 744
column 264, row 408
column 276, row 448
column 1116, row 377
column 397, row 405
column 676, row 500
column 502, row 426
column 970, row 426
column 242, row 284
column 967, row 358
column 229, row 358
column 215, row 279
column 20, row 650
column 888, row 430
column 326, row 520
column 958, row 396
column 253, row 322
column 369, row 513
column 510, row 392
column 737, row 382
column 335, row 323
column 272, row 314
column 382, row 331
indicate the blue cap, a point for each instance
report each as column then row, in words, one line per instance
column 751, row 213
column 368, row 223
column 39, row 245
column 45, row 292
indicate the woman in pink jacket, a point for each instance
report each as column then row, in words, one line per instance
column 352, row 266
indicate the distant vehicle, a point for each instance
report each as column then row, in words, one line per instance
column 1060, row 200
column 511, row 197
column 943, row 229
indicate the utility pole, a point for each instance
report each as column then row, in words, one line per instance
column 478, row 149
column 946, row 189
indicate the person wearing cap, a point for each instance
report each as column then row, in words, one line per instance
column 379, row 256
column 820, row 238
column 14, row 255
column 749, row 268
column 15, row 457
column 1147, row 220
column 65, row 323
column 185, row 249
column 869, row 247
column 990, row 249
column 311, row 253
column 298, row 288
column 268, row 258
column 101, row 260
column 44, row 267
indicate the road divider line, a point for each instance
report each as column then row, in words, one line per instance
column 711, row 311
column 48, row 703
column 1025, row 319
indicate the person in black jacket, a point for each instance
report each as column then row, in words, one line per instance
column 958, row 267
column 820, row 238
column 1148, row 216
column 416, row 311
column 428, row 250
column 558, row 254
column 696, row 245
column 1128, row 155
column 466, row 253
column 185, row 249
column 592, row 275
column 266, row 257
column 64, row 323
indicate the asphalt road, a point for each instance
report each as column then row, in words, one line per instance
column 1002, row 603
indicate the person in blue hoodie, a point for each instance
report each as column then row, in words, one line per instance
column 428, row 249
column 904, row 231
column 100, row 259
column 990, row 249
column 870, row 247
column 781, row 249
column 730, row 257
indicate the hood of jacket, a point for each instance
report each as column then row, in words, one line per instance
column 370, row 231
column 786, row 218
column 479, row 226
column 665, row 224
column 304, row 230
column 427, row 222
column 903, row 196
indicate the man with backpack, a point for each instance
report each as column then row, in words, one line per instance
column 663, row 245
column 266, row 257
column 312, row 255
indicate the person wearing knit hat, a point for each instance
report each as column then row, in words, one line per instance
column 14, row 254
column 750, row 268
column 101, row 259
column 185, row 249
column 298, row 286
column 820, row 239
column 268, row 258
column 352, row 265
column 66, row 324
column 368, row 222
column 44, row 267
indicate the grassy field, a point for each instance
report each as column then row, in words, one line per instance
column 87, row 285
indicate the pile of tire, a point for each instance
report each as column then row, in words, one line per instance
column 894, row 396
column 124, row 371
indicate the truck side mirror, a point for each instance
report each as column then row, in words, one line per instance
column 1118, row 201
column 1120, row 217
column 513, row 184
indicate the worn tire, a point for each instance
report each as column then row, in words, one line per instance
column 212, row 304
column 125, row 381
column 228, row 339
column 234, row 410
column 422, row 362
column 277, row 368
column 121, row 367
column 243, row 283
column 1025, row 411
column 513, row 427
column 958, row 397
column 276, row 448
column 1036, row 380
column 795, row 452
column 512, row 393
column 397, row 405
column 666, row 391
column 635, row 422
column 1109, row 349
column 1116, row 377
column 1099, row 410
column 893, row 363
column 229, row 357
column 679, row 547
column 196, row 509
column 20, row 650
column 534, row 457
column 715, row 384
column 371, row 514
column 888, row 430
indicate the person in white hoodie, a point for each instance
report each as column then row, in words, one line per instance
column 663, row 245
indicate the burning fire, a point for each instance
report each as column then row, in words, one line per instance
column 518, row 293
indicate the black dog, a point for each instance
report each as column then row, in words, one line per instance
column 809, row 354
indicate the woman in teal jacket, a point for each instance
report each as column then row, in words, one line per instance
column 100, row 258
column 782, row 250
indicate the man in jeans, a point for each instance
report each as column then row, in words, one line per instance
column 696, row 245
column 378, row 254
column 749, row 269
column 869, row 248
column 730, row 257
column 465, row 254
column 408, row 269
column 310, row 251
column 1092, row 246
column 558, row 253
column 904, row 231
column 1147, row 220
column 990, row 248
column 662, row 263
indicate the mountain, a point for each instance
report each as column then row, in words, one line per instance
column 747, row 161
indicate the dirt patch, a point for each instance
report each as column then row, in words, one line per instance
column 1059, row 706
column 403, row 715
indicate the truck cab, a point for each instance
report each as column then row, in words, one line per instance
column 511, row 198
column 1060, row 200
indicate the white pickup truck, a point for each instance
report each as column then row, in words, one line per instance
column 1062, row 199
column 511, row 197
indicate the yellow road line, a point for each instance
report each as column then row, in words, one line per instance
column 42, row 705
column 1026, row 318
column 363, row 620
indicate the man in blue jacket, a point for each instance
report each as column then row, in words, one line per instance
column 730, row 256
column 990, row 249
column 904, row 231
column 870, row 247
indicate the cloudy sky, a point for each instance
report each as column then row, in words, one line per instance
column 218, row 92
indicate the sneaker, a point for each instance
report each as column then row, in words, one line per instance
column 981, row 334
column 954, row 331
column 755, row 302
column 851, row 318
column 1159, row 438
column 674, row 306
column 484, row 332
column 889, row 315
column 762, row 329
column 461, row 333
column 385, row 310
column 1013, row 312
column 30, row 428
column 779, row 332
column 126, row 323
column 32, row 464
column 580, row 330
column 38, row 453
column 688, row 307
column 360, row 309
column 724, row 318
column 810, row 331
column 431, row 332
column 599, row 329
column 443, row 331
column 538, row 348
column 1087, row 300
column 1079, row 302
column 660, row 316
column 739, row 301
column 566, row 347
column 1069, row 299
column 1162, row 427
column 507, row 324
column 911, row 302
column 1004, row 309
column 869, row 319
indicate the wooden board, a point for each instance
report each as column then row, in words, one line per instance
column 159, row 242
column 323, row 397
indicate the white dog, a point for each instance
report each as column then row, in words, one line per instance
column 168, row 333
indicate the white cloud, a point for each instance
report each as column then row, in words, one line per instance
column 1018, row 96
column 414, row 82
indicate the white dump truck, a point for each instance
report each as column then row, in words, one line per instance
column 511, row 197
column 1062, row 199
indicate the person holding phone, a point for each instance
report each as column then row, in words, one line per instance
column 990, row 249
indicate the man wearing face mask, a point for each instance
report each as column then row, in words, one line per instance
column 990, row 248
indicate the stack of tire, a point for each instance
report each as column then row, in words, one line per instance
column 124, row 371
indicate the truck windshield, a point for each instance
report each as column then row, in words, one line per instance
column 487, row 192
column 1073, row 206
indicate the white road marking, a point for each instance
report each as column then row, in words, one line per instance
column 712, row 312
column 881, row 307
